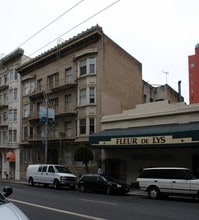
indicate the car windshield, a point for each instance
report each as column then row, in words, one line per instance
column 60, row 169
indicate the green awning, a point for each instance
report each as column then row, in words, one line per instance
column 158, row 136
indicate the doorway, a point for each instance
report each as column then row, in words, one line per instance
column 116, row 169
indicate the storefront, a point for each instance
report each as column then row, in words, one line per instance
column 125, row 151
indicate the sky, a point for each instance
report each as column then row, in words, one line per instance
column 160, row 34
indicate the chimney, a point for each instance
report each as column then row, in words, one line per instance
column 179, row 91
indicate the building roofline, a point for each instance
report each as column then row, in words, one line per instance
column 94, row 32
column 11, row 56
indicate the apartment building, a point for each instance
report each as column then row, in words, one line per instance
column 193, row 62
column 75, row 83
column 10, row 114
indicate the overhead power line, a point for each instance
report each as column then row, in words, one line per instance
column 76, row 26
column 50, row 23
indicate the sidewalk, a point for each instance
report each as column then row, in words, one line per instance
column 137, row 192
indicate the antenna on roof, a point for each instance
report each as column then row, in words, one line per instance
column 166, row 73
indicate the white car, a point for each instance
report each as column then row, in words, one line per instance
column 8, row 211
column 165, row 181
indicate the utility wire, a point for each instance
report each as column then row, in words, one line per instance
column 76, row 26
column 50, row 23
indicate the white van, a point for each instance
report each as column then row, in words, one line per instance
column 50, row 174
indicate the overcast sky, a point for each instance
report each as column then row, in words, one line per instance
column 161, row 34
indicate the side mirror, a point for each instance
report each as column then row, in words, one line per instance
column 7, row 191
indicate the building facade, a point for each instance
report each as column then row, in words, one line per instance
column 193, row 62
column 10, row 113
column 151, row 135
column 161, row 92
column 76, row 82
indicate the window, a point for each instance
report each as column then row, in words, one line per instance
column 68, row 128
column 25, row 133
column 4, row 136
column 13, row 94
column 13, row 115
column 53, row 80
column 68, row 102
column 82, row 126
column 28, row 88
column 14, row 135
column 27, row 154
column 51, row 169
column 10, row 135
column 39, row 132
column 54, row 103
column 13, row 74
column 87, row 66
column 25, row 111
column 82, row 97
column 39, row 85
column 82, row 67
column 5, row 98
column 192, row 64
column 92, row 95
column 5, row 79
column 32, row 87
column 91, row 125
column 91, row 65
column 68, row 75
column 5, row 116
column 31, row 132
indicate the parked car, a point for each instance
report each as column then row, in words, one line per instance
column 50, row 174
column 9, row 211
column 165, row 181
column 103, row 183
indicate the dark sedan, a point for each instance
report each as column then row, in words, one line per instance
column 103, row 183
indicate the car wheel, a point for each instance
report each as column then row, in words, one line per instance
column 109, row 190
column 31, row 181
column 153, row 192
column 82, row 188
column 56, row 184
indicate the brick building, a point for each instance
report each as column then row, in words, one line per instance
column 193, row 61
column 80, row 80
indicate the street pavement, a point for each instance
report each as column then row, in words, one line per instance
column 133, row 191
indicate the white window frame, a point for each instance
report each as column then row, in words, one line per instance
column 68, row 74
column 86, row 66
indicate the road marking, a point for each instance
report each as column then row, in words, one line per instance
column 96, row 201
column 58, row 210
